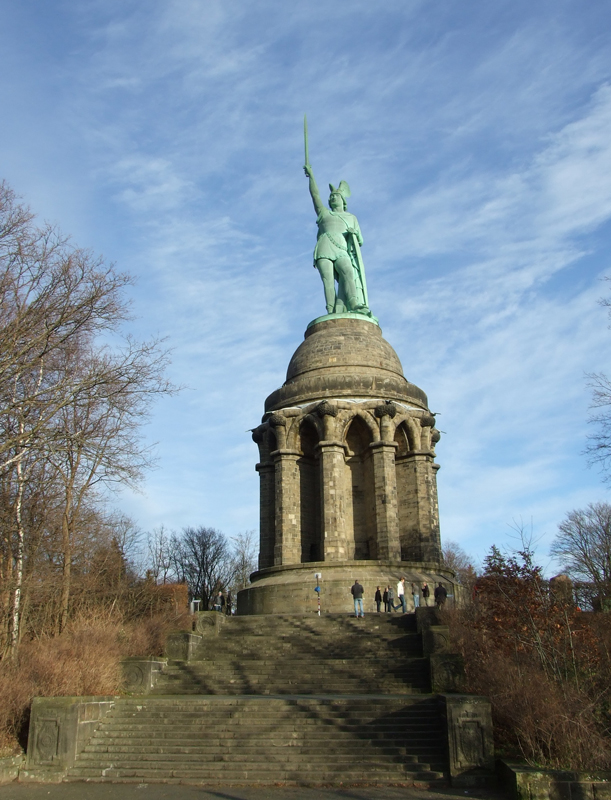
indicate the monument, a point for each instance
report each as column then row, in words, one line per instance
column 348, row 491
column 347, row 466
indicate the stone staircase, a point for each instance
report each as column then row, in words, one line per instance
column 248, row 740
column 281, row 699
column 304, row 655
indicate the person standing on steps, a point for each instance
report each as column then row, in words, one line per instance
column 441, row 594
column 357, row 594
column 415, row 596
column 385, row 599
column 228, row 604
column 378, row 599
column 219, row 602
column 391, row 600
column 401, row 596
column 426, row 593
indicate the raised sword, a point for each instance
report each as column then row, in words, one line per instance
column 305, row 140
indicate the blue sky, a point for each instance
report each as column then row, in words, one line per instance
column 476, row 138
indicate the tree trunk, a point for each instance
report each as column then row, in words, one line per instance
column 18, row 561
column 67, row 556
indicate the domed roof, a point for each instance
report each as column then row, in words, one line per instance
column 344, row 357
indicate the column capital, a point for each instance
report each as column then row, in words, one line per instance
column 420, row 455
column 330, row 444
column 283, row 453
column 383, row 444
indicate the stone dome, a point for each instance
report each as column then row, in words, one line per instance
column 344, row 357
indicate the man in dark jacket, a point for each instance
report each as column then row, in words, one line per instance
column 357, row 593
column 378, row 599
column 441, row 594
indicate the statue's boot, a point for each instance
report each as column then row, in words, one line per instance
column 354, row 305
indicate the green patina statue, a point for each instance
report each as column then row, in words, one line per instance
column 337, row 255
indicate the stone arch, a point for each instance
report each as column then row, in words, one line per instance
column 293, row 431
column 412, row 431
column 360, row 494
column 367, row 420
column 308, row 465
column 402, row 440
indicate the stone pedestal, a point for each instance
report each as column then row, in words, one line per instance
column 347, row 474
column 290, row 589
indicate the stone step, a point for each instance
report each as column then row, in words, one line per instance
column 288, row 689
column 350, row 762
column 256, row 686
column 379, row 656
column 253, row 777
column 257, row 720
column 305, row 747
column 273, row 660
column 323, row 752
column 184, row 739
column 239, row 716
column 337, row 643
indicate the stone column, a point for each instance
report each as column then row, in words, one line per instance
column 267, row 513
column 431, row 550
column 386, row 512
column 422, row 536
column 267, row 505
column 332, row 501
column 287, row 545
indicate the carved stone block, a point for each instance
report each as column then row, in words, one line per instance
column 140, row 675
column 435, row 639
column 469, row 738
column 181, row 645
column 60, row 727
column 208, row 623
column 425, row 617
column 447, row 672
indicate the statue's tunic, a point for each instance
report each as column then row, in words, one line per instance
column 332, row 229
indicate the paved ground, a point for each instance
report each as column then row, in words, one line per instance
column 117, row 791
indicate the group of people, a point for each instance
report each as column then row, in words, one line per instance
column 387, row 597
column 223, row 604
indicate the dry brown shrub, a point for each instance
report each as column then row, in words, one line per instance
column 146, row 637
column 84, row 660
column 550, row 719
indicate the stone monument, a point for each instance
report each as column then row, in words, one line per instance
column 346, row 452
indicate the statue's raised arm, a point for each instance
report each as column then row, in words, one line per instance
column 315, row 194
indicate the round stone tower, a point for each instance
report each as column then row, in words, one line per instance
column 348, row 476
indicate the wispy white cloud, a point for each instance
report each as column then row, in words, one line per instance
column 475, row 141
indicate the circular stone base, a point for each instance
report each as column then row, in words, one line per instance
column 290, row 589
column 345, row 315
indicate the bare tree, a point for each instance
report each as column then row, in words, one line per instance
column 96, row 439
column 65, row 399
column 599, row 448
column 52, row 295
column 456, row 559
column 583, row 547
column 201, row 558
column 159, row 555
column 244, row 559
